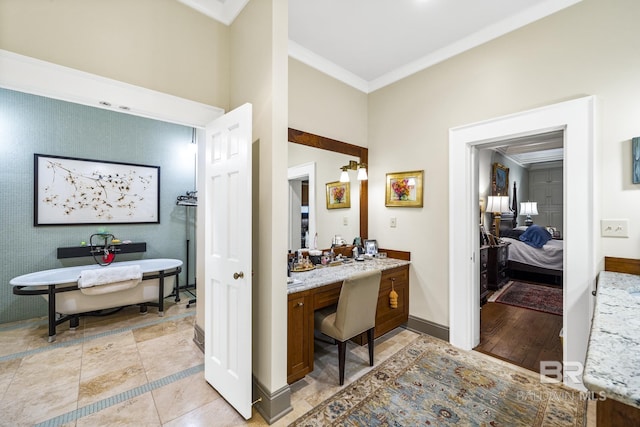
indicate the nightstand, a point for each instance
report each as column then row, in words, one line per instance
column 497, row 257
column 484, row 276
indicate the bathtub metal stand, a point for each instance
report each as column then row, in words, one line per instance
column 74, row 319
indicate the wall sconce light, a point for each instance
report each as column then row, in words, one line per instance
column 353, row 165
column 528, row 209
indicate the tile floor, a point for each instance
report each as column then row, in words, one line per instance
column 129, row 369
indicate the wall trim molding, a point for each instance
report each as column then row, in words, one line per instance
column 198, row 337
column 426, row 327
column 272, row 406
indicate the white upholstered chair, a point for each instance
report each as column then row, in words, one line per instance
column 354, row 314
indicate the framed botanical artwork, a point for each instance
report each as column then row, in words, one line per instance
column 72, row 191
column 338, row 195
column 499, row 180
column 404, row 189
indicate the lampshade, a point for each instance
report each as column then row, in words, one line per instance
column 344, row 176
column 529, row 208
column 353, row 165
column 498, row 204
column 362, row 173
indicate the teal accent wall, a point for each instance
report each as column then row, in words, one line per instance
column 32, row 124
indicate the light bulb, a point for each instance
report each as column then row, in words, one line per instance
column 362, row 174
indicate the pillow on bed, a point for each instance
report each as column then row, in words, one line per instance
column 535, row 236
column 513, row 233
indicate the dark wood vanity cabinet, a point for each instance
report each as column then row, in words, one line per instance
column 299, row 335
column 497, row 257
column 302, row 305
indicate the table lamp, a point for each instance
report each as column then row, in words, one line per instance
column 496, row 205
column 528, row 209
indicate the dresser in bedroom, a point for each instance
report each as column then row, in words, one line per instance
column 493, row 268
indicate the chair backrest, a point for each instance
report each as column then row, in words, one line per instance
column 357, row 304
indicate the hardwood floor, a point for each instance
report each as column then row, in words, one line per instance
column 518, row 335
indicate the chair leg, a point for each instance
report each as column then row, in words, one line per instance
column 342, row 351
column 370, row 343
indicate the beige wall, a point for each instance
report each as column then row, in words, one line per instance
column 168, row 47
column 324, row 106
column 157, row 44
column 588, row 49
column 259, row 75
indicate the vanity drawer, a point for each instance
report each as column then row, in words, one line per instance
column 396, row 276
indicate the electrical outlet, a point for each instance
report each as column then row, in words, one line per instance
column 614, row 227
column 393, row 222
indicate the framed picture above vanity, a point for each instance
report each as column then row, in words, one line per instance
column 338, row 195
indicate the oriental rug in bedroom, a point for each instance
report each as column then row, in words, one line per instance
column 431, row 383
column 529, row 295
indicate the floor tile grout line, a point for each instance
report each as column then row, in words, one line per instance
column 119, row 398
column 82, row 340
column 22, row 325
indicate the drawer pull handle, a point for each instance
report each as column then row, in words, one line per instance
column 300, row 304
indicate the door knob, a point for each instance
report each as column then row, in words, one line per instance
column 237, row 276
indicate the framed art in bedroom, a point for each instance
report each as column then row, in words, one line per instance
column 499, row 180
column 72, row 191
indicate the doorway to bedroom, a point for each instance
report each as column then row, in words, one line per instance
column 520, row 184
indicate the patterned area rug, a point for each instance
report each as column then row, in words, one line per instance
column 431, row 383
column 528, row 295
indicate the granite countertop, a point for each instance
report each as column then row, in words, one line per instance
column 613, row 355
column 325, row 275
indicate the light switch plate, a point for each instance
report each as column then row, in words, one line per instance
column 345, row 220
column 393, row 222
column 614, row 227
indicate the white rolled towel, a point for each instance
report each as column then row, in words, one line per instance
column 109, row 275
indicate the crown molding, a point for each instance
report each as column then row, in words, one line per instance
column 323, row 65
column 478, row 38
column 224, row 11
column 25, row 74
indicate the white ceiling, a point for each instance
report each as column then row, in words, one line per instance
column 369, row 44
column 532, row 149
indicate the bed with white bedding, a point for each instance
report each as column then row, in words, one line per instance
column 546, row 260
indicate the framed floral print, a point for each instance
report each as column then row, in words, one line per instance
column 404, row 189
column 338, row 195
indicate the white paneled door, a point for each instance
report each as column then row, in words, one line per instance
column 225, row 192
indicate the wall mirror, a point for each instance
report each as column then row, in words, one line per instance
column 313, row 162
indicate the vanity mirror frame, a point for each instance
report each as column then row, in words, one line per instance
column 311, row 140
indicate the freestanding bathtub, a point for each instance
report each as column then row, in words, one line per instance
column 60, row 287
